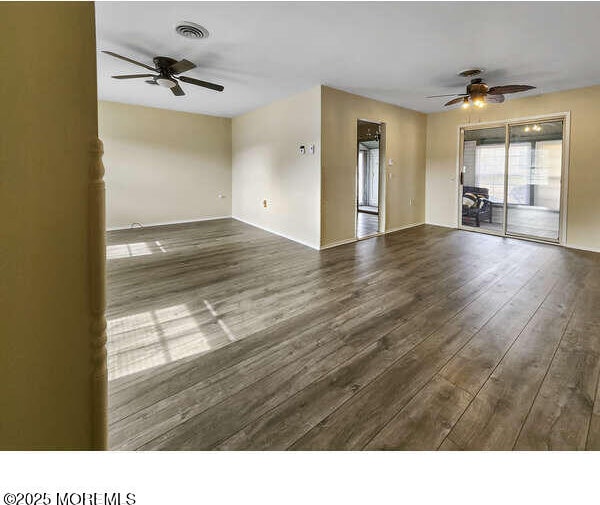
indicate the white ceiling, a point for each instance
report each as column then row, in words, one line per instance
column 397, row 52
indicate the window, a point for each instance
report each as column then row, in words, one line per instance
column 489, row 160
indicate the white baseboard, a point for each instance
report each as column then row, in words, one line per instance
column 443, row 225
column 293, row 239
column 166, row 223
column 570, row 246
column 391, row 230
column 338, row 243
column 582, row 248
column 405, row 227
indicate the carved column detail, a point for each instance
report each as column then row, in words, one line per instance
column 97, row 261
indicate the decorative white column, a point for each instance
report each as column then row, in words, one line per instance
column 97, row 259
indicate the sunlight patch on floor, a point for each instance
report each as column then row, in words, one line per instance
column 141, row 341
column 118, row 251
column 220, row 321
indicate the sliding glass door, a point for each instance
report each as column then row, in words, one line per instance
column 482, row 179
column 534, row 180
column 511, row 179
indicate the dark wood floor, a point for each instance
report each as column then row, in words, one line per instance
column 223, row 336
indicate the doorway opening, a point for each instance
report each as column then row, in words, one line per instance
column 368, row 179
column 512, row 178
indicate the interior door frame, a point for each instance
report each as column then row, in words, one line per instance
column 564, row 179
column 382, row 178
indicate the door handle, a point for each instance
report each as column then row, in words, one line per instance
column 462, row 175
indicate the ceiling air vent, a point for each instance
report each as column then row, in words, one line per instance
column 191, row 30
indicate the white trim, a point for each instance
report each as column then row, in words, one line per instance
column 381, row 201
column 502, row 122
column 376, row 234
column 443, row 225
column 392, row 230
column 405, row 227
column 166, row 223
column 506, row 181
column 339, row 242
column 488, row 232
column 457, row 177
column 383, row 194
column 293, row 239
column 582, row 248
column 564, row 182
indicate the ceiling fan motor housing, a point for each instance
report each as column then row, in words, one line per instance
column 163, row 63
column 477, row 90
column 165, row 78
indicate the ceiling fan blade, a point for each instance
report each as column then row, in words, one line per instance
column 132, row 76
column 440, row 96
column 460, row 99
column 177, row 91
column 204, row 84
column 181, row 66
column 115, row 55
column 495, row 98
column 511, row 88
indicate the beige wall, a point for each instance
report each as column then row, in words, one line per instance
column 268, row 166
column 164, row 166
column 405, row 145
column 49, row 123
column 583, row 212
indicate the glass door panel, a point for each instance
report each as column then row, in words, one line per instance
column 483, row 178
column 534, row 180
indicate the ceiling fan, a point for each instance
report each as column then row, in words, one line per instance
column 165, row 71
column 479, row 93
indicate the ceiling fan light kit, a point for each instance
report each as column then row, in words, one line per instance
column 478, row 93
column 166, row 83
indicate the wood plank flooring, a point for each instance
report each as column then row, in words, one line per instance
column 223, row 336
column 366, row 224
